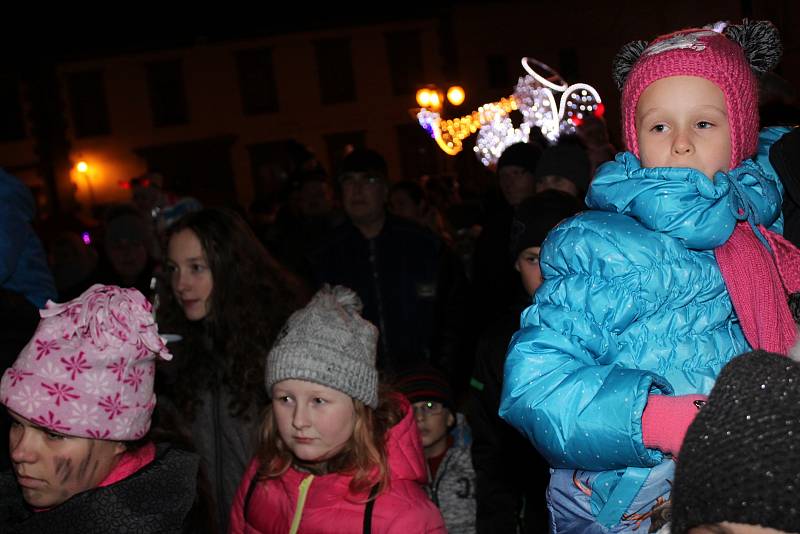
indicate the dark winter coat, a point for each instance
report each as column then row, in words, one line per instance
column 511, row 475
column 156, row 499
column 405, row 278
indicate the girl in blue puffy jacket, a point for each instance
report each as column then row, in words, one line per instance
column 670, row 274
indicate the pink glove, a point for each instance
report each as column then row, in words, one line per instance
column 666, row 419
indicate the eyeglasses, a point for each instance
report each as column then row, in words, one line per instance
column 427, row 408
column 350, row 179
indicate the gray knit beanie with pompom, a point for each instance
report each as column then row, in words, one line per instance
column 329, row 343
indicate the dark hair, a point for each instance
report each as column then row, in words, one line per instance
column 364, row 160
column 252, row 297
column 524, row 155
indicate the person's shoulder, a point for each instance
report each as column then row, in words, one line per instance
column 407, row 503
column 334, row 239
column 460, row 457
column 15, row 194
column 410, row 230
column 599, row 226
column 607, row 244
column 179, row 457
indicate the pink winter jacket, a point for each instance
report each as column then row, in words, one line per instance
column 404, row 508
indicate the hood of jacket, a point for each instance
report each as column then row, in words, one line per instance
column 404, row 447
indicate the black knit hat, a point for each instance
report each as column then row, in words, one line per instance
column 425, row 383
column 568, row 160
column 523, row 155
column 740, row 461
column 537, row 215
column 363, row 160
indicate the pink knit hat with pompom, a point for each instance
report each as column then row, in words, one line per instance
column 730, row 56
column 89, row 369
column 706, row 54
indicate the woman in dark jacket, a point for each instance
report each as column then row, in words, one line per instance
column 227, row 301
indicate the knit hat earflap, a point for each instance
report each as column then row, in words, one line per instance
column 329, row 343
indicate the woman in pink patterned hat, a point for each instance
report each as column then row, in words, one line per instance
column 80, row 396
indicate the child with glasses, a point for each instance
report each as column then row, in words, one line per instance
column 450, row 474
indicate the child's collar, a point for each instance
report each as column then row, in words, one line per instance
column 683, row 202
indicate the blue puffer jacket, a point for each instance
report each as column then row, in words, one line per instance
column 632, row 304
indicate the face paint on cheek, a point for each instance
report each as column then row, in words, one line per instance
column 63, row 469
column 88, row 467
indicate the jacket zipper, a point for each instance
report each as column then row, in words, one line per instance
column 301, row 503
column 373, row 261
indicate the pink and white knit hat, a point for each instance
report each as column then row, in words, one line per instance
column 726, row 59
column 89, row 369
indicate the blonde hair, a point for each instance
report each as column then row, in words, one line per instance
column 364, row 456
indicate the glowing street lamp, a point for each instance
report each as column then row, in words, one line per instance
column 456, row 95
column 83, row 169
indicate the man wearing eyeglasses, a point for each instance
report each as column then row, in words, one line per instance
column 402, row 272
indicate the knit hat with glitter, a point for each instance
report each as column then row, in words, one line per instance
column 88, row 370
column 329, row 343
column 739, row 461
column 731, row 58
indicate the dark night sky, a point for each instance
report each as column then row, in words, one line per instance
column 138, row 29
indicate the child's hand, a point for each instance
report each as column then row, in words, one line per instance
column 666, row 419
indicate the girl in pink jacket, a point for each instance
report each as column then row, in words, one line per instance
column 336, row 455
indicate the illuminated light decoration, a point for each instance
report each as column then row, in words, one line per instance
column 82, row 166
column 535, row 97
column 456, row 95
column 449, row 133
column 424, row 97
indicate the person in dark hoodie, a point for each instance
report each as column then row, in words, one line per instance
column 512, row 476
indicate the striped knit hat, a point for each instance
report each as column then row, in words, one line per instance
column 729, row 58
column 425, row 383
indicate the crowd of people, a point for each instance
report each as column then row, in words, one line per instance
column 607, row 342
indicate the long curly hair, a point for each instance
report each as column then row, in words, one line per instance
column 364, row 456
column 251, row 298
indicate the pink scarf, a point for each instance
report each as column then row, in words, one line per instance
column 759, row 283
